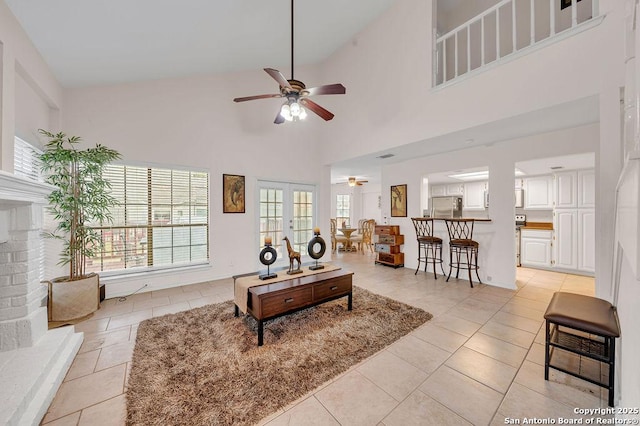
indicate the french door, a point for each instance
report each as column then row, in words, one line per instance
column 286, row 210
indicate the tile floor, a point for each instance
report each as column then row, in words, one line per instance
column 479, row 361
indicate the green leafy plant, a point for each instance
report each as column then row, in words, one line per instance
column 82, row 197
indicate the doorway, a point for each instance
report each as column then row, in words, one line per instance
column 286, row 210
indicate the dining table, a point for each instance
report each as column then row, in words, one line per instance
column 348, row 246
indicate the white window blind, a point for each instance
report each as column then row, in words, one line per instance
column 26, row 164
column 26, row 160
column 161, row 220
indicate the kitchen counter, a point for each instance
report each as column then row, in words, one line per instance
column 461, row 218
column 546, row 226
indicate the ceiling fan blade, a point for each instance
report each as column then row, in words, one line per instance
column 279, row 119
column 251, row 98
column 277, row 76
column 328, row 89
column 323, row 113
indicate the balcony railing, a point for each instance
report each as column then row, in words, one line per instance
column 507, row 30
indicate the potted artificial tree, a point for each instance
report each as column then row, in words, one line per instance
column 82, row 197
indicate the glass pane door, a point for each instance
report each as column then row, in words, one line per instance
column 286, row 210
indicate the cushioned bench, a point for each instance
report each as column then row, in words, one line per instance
column 583, row 325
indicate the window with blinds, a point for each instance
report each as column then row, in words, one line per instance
column 26, row 160
column 161, row 220
column 343, row 209
column 26, row 164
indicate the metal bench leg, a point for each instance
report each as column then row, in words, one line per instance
column 547, row 339
column 612, row 367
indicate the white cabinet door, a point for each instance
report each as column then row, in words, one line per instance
column 566, row 189
column 587, row 240
column 565, row 225
column 473, row 198
column 438, row 190
column 538, row 193
column 587, row 188
column 535, row 248
column 455, row 189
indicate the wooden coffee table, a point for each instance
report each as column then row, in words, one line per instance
column 270, row 301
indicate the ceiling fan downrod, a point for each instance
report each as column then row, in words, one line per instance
column 292, row 78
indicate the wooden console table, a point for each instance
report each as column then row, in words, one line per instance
column 270, row 301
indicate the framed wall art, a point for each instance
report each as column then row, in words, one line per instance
column 399, row 201
column 232, row 194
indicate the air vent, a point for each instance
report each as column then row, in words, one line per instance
column 386, row 156
column 556, row 167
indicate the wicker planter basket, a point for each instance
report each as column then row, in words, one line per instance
column 69, row 300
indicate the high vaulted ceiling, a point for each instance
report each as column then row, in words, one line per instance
column 89, row 43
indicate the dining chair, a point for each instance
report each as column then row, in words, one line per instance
column 366, row 240
column 335, row 238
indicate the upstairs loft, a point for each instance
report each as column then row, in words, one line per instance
column 473, row 38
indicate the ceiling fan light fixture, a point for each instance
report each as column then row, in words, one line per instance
column 352, row 181
column 285, row 112
column 294, row 107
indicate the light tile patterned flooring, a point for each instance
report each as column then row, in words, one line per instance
column 479, row 361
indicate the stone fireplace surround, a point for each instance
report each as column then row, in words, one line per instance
column 33, row 360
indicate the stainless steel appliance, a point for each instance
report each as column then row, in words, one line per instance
column 521, row 220
column 446, row 207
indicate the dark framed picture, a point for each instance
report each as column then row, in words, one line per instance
column 232, row 194
column 566, row 3
column 399, row 201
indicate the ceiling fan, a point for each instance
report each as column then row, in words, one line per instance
column 354, row 182
column 297, row 94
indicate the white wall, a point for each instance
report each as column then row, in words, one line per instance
column 193, row 122
column 390, row 101
column 496, row 237
column 29, row 93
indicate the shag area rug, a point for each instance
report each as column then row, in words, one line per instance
column 203, row 366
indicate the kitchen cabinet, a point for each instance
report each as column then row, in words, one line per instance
column 574, row 221
column 565, row 225
column 473, row 198
column 566, row 189
column 535, row 248
column 587, row 188
column 574, row 240
column 575, row 189
column 538, row 193
column 438, row 190
column 587, row 240
column 444, row 190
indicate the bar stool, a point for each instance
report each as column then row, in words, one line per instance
column 430, row 244
column 461, row 242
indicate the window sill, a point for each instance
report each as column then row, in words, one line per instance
column 115, row 276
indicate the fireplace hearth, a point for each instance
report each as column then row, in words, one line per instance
column 33, row 359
